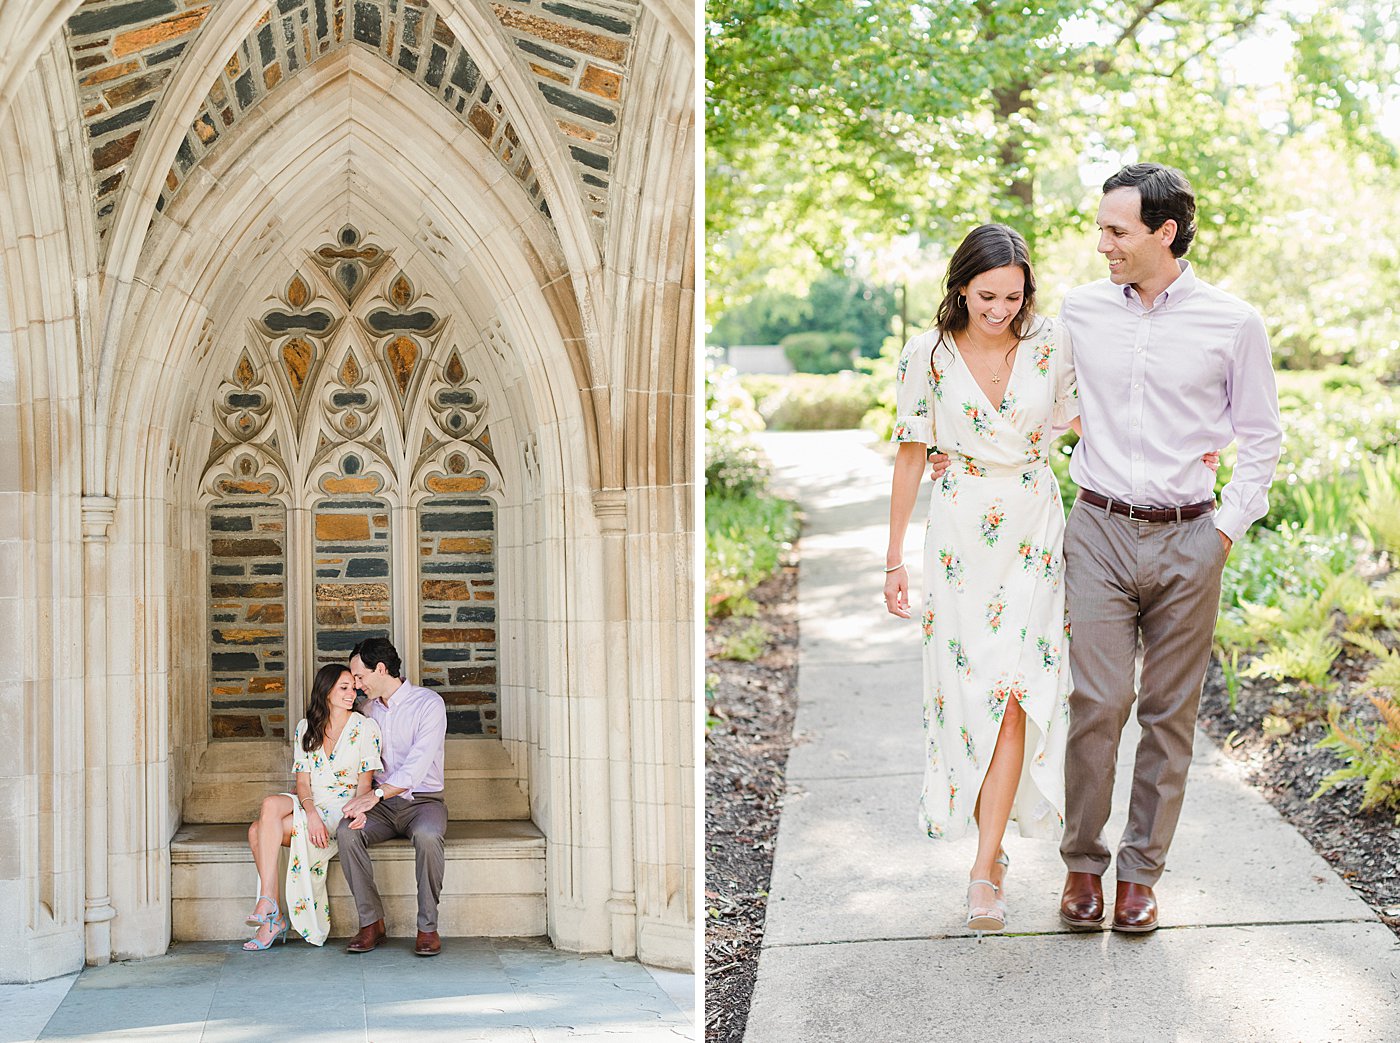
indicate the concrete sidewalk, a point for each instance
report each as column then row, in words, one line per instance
column 865, row 938
column 507, row 990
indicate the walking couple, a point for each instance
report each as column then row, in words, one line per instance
column 1155, row 369
column 360, row 780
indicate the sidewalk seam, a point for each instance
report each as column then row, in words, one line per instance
column 1066, row 932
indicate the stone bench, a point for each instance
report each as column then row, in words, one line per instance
column 493, row 885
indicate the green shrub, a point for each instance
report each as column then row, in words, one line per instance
column 734, row 465
column 744, row 646
column 1059, row 456
column 760, row 386
column 1379, row 514
column 1336, row 378
column 1270, row 566
column 745, row 537
column 1325, row 505
column 729, row 408
column 879, row 418
column 808, row 402
column 745, row 528
column 814, row 352
column 1280, row 591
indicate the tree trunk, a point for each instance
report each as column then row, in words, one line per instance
column 1015, row 202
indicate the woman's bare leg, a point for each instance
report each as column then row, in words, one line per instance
column 999, row 792
column 271, row 830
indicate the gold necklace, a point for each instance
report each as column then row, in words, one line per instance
column 996, row 376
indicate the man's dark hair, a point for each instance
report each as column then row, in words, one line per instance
column 1166, row 195
column 375, row 650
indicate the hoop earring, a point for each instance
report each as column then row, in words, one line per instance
column 962, row 300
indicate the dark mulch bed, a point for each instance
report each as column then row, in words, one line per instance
column 1285, row 765
column 751, row 709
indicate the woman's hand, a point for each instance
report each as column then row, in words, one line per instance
column 897, row 592
column 1212, row 459
column 938, row 463
column 316, row 829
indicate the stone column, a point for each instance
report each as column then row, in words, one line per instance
column 98, row 512
column 610, row 506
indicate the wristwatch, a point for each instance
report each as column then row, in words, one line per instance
column 379, row 792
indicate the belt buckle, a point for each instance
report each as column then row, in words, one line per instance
column 1138, row 507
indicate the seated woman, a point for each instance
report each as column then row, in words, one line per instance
column 336, row 752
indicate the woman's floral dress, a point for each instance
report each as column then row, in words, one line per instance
column 333, row 781
column 994, row 625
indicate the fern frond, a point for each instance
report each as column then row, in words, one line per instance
column 1390, row 712
column 1306, row 656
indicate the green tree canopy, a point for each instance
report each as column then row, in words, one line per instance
column 834, row 303
column 829, row 121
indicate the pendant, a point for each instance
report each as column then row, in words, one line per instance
column 996, row 380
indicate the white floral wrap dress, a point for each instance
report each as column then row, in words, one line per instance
column 334, row 777
column 994, row 625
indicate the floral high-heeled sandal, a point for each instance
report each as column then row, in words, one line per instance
column 278, row 923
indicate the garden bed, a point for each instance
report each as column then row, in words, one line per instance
column 751, row 707
column 1273, row 733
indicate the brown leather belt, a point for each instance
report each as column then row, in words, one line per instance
column 1148, row 514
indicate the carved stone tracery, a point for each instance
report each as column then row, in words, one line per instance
column 373, row 409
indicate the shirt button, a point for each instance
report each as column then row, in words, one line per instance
column 1137, row 387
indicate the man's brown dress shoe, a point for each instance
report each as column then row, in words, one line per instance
column 1134, row 908
column 1081, row 903
column 428, row 944
column 368, row 938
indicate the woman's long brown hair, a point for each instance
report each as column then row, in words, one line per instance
column 318, row 709
column 986, row 247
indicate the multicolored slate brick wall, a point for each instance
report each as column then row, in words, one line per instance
column 123, row 52
column 406, row 33
column 457, row 590
column 577, row 53
column 247, row 619
column 353, row 591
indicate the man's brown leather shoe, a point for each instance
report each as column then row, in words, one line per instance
column 368, row 938
column 1081, row 902
column 1134, row 908
column 428, row 944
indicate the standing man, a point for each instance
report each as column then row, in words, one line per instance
column 1168, row 367
column 407, row 796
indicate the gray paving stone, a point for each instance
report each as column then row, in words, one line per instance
column 26, row 1009
column 478, row 989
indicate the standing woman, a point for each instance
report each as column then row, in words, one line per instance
column 335, row 755
column 991, row 382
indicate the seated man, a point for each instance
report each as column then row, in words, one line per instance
column 407, row 796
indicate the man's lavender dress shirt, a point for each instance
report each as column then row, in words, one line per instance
column 1159, row 388
column 413, row 729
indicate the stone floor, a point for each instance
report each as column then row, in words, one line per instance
column 512, row 991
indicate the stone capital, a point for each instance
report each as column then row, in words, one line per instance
column 98, row 512
column 610, row 507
